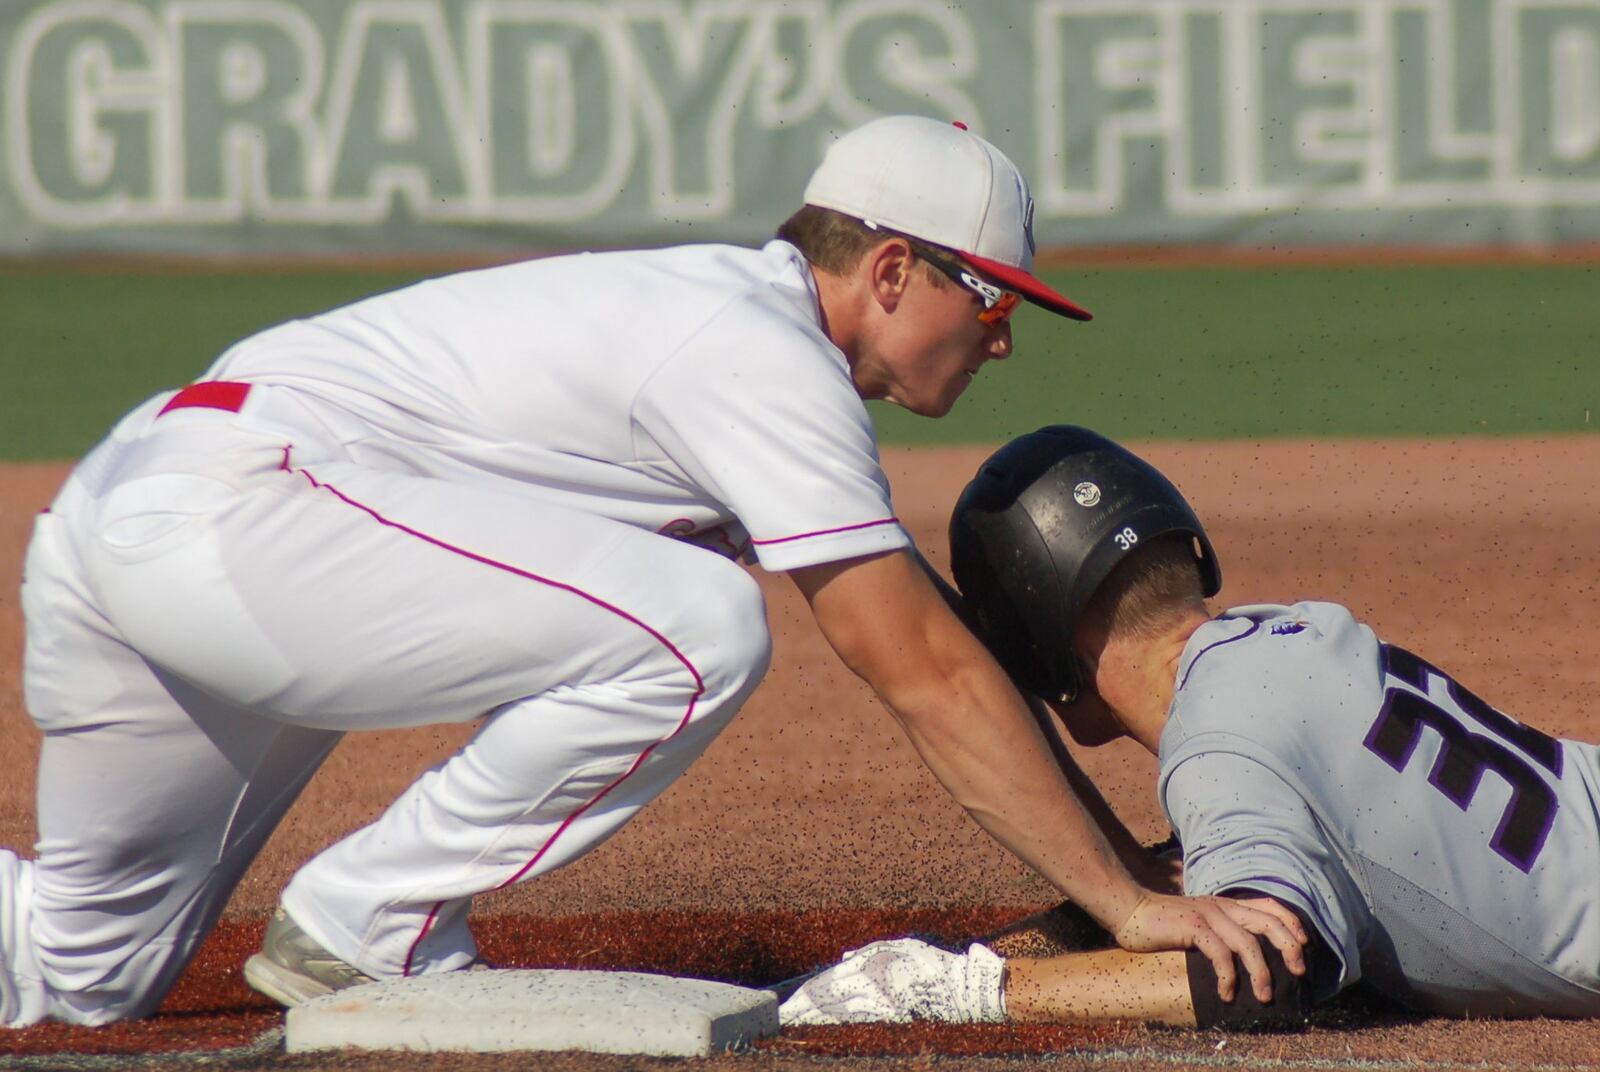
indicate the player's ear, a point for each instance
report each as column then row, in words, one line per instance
column 888, row 267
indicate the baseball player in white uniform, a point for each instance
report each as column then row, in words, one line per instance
column 517, row 494
column 1434, row 847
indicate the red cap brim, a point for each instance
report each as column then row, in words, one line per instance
column 1029, row 286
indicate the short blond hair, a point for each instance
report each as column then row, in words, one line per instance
column 835, row 242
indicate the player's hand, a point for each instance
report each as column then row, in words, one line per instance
column 1219, row 928
column 1274, row 907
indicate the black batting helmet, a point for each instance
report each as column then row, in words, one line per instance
column 1040, row 528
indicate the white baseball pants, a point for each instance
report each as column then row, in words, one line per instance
column 216, row 597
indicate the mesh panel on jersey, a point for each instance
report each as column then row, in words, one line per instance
column 1430, row 956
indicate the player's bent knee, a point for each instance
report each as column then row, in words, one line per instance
column 106, row 990
column 99, row 1010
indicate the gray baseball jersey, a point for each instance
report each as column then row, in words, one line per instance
column 1448, row 854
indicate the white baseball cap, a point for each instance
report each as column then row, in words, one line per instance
column 942, row 184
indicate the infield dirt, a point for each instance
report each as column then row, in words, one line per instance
column 810, row 823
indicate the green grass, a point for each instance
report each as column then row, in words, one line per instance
column 81, row 347
column 1186, row 353
column 1209, row 353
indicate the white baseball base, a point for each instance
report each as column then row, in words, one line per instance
column 509, row 1010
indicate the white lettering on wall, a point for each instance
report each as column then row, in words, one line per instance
column 560, row 111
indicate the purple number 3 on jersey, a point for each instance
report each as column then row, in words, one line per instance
column 1510, row 749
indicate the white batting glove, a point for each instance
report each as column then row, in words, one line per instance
column 901, row 980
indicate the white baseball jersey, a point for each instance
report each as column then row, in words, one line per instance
column 1448, row 854
column 688, row 390
column 442, row 504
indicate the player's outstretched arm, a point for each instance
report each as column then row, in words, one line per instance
column 1168, row 987
column 1141, row 864
column 1111, row 984
column 971, row 727
column 1159, row 988
column 907, row 979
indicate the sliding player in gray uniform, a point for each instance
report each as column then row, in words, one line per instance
column 1435, row 847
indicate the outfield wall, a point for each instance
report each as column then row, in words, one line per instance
column 399, row 126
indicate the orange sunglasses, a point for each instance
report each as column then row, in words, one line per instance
column 998, row 304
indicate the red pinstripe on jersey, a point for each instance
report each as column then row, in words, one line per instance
column 830, row 532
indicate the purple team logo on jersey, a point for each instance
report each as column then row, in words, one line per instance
column 1288, row 628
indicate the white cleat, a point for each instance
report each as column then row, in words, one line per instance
column 292, row 968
